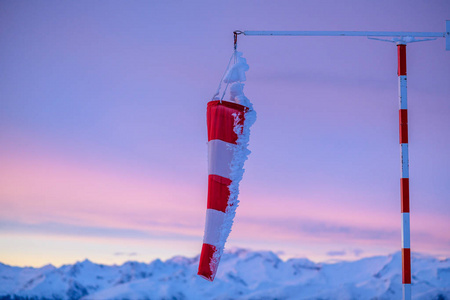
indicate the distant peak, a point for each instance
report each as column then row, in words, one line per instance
column 82, row 263
column 182, row 260
column 237, row 251
column 48, row 267
column 85, row 262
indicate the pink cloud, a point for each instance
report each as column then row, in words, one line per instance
column 40, row 188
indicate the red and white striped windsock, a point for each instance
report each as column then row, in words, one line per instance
column 225, row 122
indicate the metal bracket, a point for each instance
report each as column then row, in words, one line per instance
column 402, row 40
column 447, row 35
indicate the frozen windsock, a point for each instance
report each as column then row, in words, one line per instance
column 228, row 135
column 228, row 132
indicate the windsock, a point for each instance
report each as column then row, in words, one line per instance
column 228, row 132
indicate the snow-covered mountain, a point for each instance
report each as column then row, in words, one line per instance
column 242, row 274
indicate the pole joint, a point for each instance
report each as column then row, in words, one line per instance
column 235, row 34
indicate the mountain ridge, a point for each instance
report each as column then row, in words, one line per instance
column 242, row 274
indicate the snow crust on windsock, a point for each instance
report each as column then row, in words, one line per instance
column 235, row 76
column 236, row 73
column 237, row 94
column 240, row 149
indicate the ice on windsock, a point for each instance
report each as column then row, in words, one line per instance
column 236, row 73
column 235, row 76
column 228, row 136
column 237, row 94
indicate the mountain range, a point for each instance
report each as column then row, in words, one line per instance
column 242, row 274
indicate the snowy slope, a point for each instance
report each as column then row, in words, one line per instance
column 243, row 274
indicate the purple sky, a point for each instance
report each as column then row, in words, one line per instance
column 103, row 128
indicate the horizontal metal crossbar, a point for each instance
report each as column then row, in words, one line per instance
column 347, row 33
column 399, row 37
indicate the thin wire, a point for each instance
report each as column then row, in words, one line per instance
column 223, row 76
column 225, row 90
column 236, row 33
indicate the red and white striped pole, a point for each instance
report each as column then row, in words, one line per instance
column 404, row 180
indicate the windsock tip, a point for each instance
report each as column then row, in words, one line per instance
column 208, row 278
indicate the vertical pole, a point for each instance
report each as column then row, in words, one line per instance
column 404, row 180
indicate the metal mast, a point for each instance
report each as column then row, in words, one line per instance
column 404, row 178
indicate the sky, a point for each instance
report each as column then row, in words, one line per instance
column 103, row 142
